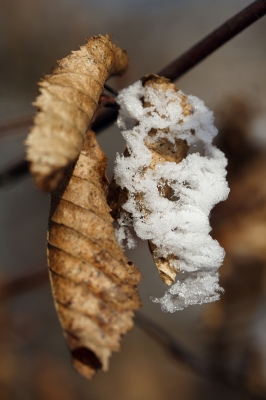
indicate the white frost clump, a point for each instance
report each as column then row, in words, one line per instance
column 180, row 227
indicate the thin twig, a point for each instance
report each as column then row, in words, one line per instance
column 22, row 284
column 110, row 89
column 214, row 40
column 15, row 123
column 201, row 50
column 14, row 172
column 203, row 368
column 30, row 281
column 171, row 345
column 175, row 69
column 106, row 117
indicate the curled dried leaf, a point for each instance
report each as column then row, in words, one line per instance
column 69, row 98
column 94, row 285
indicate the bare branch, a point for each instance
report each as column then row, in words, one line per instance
column 172, row 71
column 203, row 368
column 20, row 285
column 201, row 50
column 14, row 172
column 214, row 40
column 17, row 286
column 212, row 373
column 15, row 123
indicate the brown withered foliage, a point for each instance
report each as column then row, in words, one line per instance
column 93, row 283
column 69, row 98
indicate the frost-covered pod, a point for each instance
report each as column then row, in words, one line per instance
column 69, row 98
column 170, row 194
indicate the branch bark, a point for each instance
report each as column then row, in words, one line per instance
column 15, row 123
column 173, row 71
column 214, row 40
column 204, row 368
column 22, row 284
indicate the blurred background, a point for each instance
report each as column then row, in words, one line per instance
column 230, row 334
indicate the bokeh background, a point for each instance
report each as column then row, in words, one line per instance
column 34, row 361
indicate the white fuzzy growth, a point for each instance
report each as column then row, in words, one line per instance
column 201, row 288
column 123, row 235
column 181, row 227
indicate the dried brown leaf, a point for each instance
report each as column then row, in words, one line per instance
column 69, row 98
column 94, row 285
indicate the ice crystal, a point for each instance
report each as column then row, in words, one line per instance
column 178, row 226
